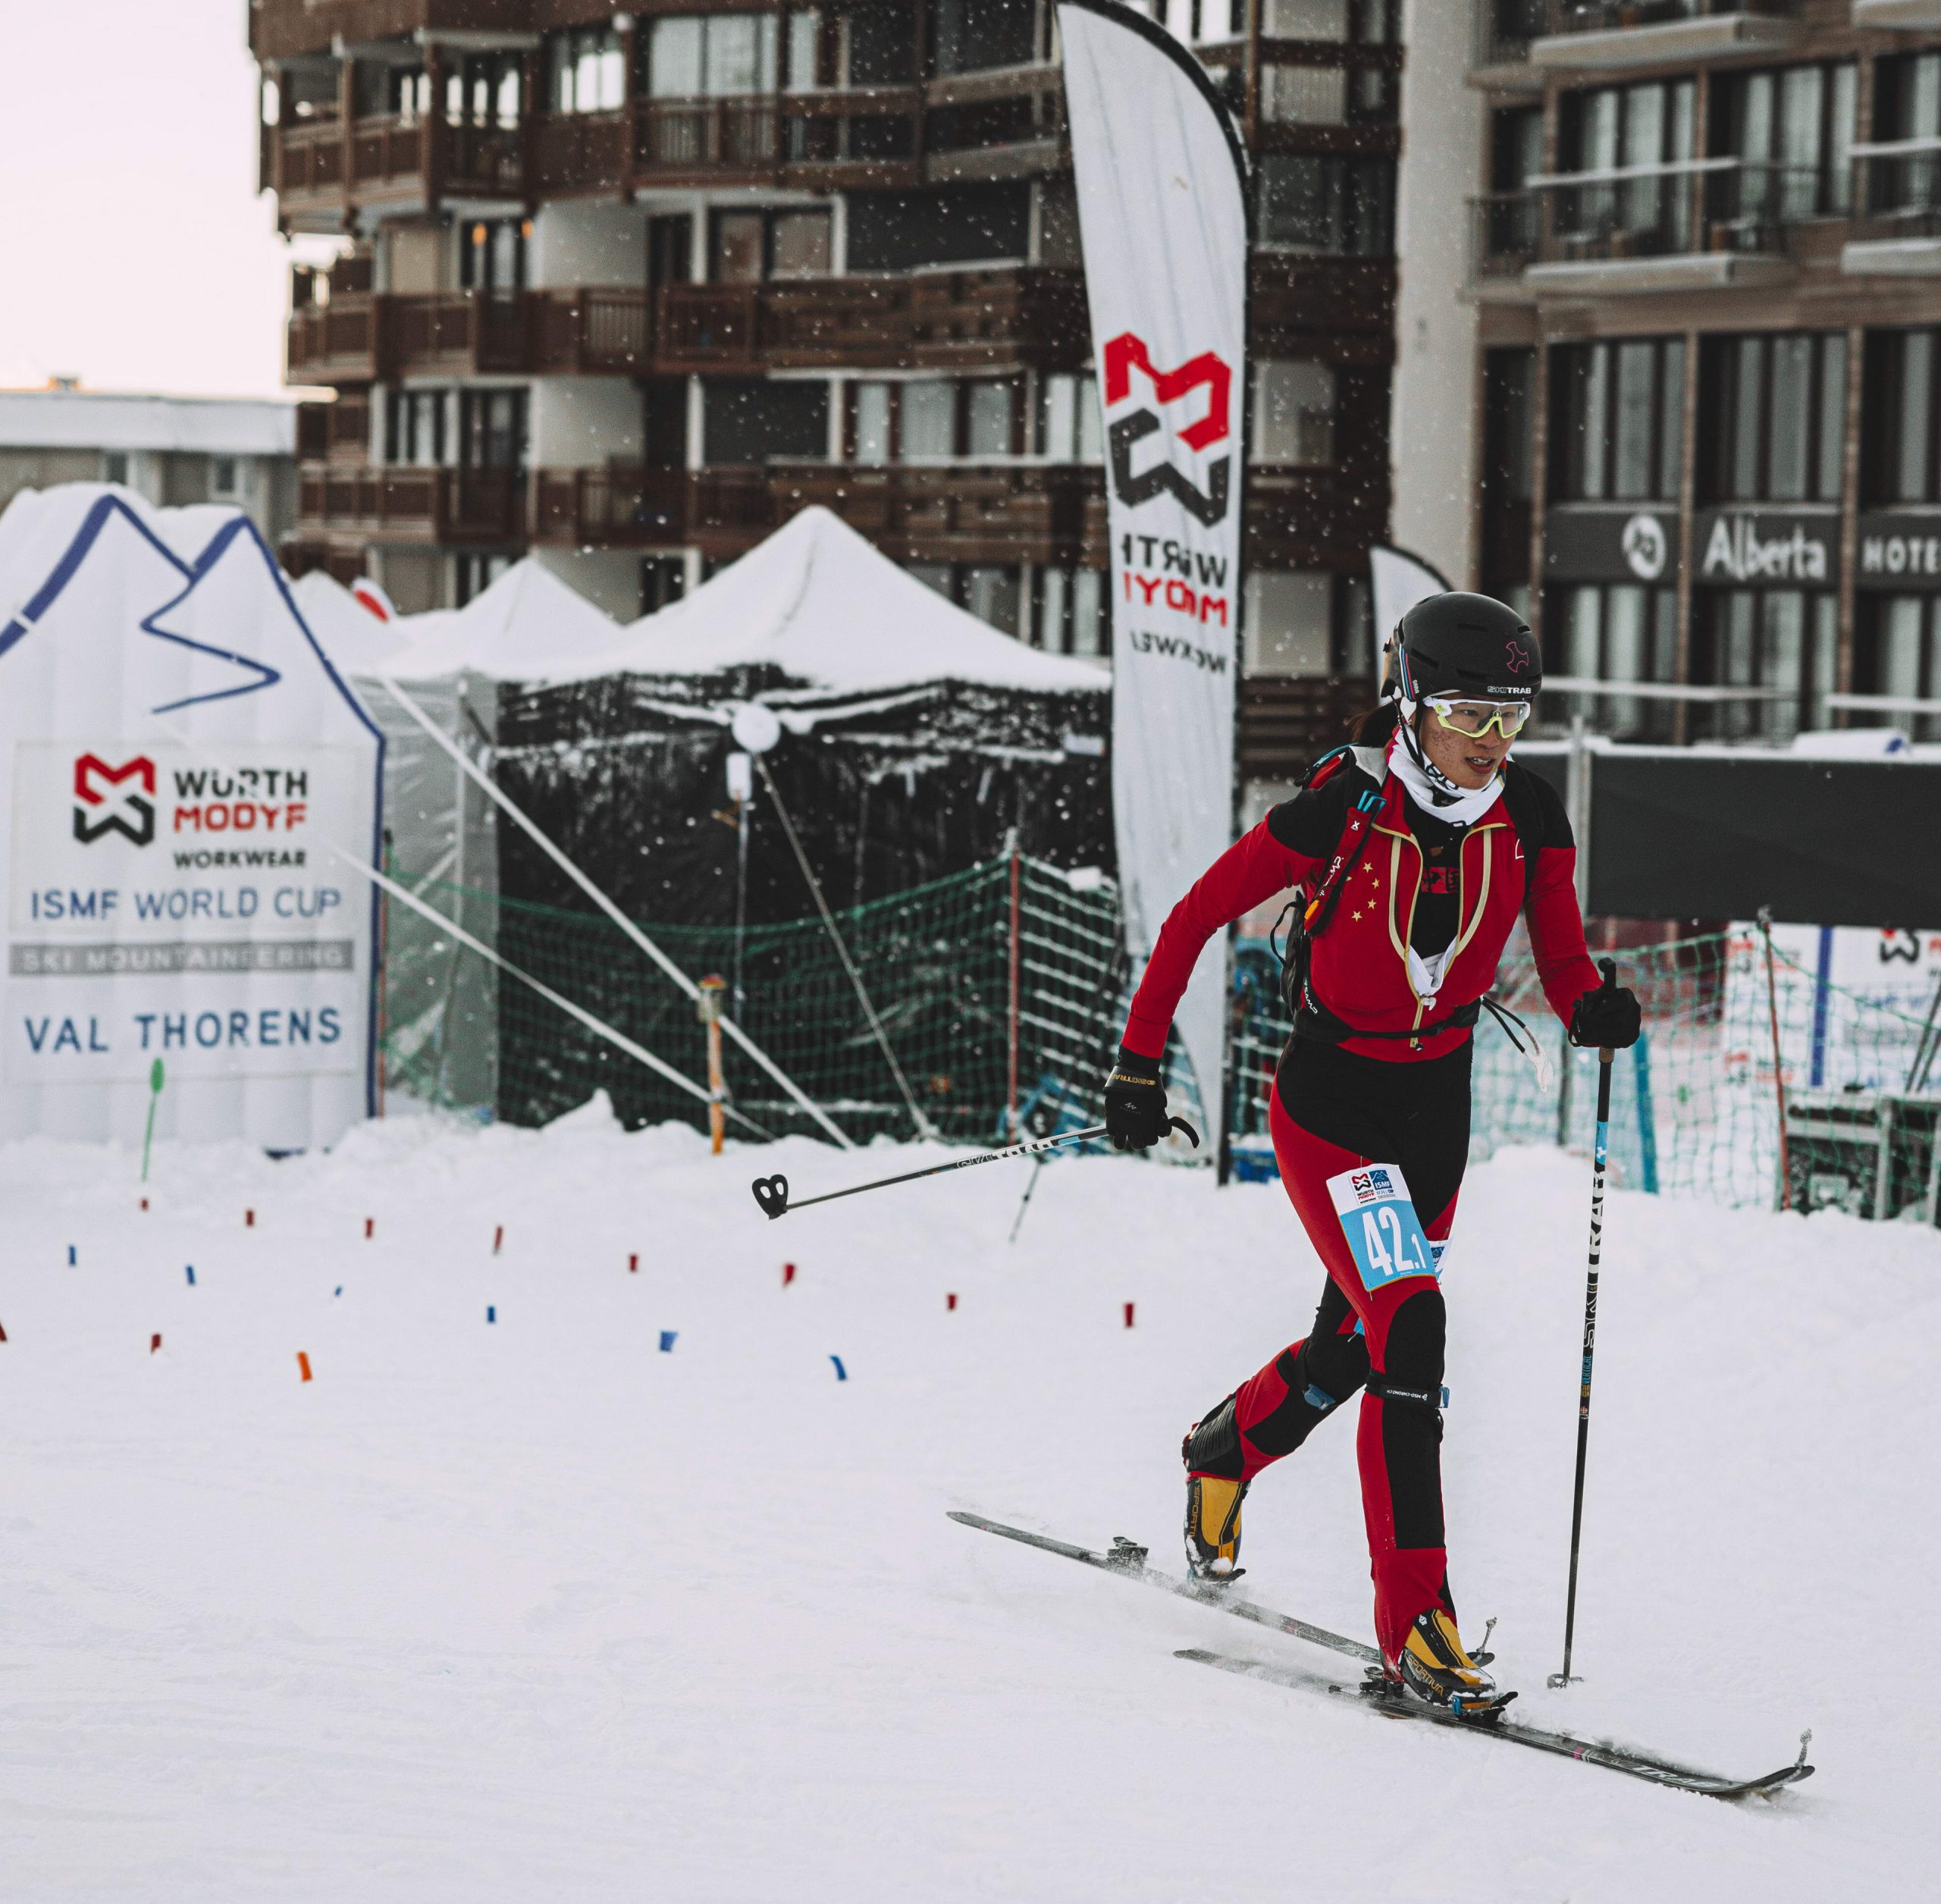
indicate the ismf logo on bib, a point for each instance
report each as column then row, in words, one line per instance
column 1379, row 1221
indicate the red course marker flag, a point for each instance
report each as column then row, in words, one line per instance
column 633, row 1262
column 154, row 1342
column 370, row 1226
column 498, row 1237
column 950, row 1301
column 1128, row 1316
column 249, row 1219
column 788, row 1274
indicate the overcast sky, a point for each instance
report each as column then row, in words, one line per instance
column 134, row 251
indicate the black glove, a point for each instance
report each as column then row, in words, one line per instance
column 1607, row 1017
column 1135, row 1103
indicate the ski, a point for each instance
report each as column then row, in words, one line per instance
column 1128, row 1559
column 1613, row 1756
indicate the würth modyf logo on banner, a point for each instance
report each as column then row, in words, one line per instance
column 130, row 815
column 1127, row 352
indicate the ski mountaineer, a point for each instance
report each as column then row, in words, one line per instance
column 1412, row 852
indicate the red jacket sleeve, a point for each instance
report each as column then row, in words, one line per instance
column 1556, row 930
column 1253, row 869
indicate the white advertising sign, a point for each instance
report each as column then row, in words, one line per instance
column 184, row 774
column 1161, row 177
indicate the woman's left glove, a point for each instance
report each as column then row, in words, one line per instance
column 1606, row 1018
column 1135, row 1103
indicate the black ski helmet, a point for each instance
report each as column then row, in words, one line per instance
column 1458, row 643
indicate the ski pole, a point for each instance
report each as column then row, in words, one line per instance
column 772, row 1193
column 1600, row 1155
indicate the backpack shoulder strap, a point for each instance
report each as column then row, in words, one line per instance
column 1524, row 803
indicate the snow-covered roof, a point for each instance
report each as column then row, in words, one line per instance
column 826, row 607
column 354, row 638
column 529, row 625
column 86, row 419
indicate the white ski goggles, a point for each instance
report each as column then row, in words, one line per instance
column 1474, row 719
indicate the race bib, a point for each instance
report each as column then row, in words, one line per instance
column 1383, row 1231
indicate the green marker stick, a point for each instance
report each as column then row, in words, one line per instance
column 154, row 1097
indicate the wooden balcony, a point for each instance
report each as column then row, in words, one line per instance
column 338, row 433
column 380, row 502
column 1287, row 720
column 357, row 338
column 323, row 170
column 621, row 506
column 999, row 319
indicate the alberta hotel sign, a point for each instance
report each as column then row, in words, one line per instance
column 1731, row 548
column 1900, row 553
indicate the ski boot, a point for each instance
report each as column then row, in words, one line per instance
column 1213, row 1527
column 1436, row 1669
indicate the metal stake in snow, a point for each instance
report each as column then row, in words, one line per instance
column 772, row 1193
column 1600, row 1155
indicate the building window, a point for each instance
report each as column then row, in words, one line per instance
column 1632, row 145
column 744, row 247
column 1289, row 621
column 934, row 419
column 1903, row 402
column 871, row 406
column 588, row 70
column 991, row 593
column 1329, row 205
column 757, row 420
column 483, row 90
column 1783, row 638
column 1070, row 427
column 402, row 93
column 1900, row 655
column 473, row 575
column 114, row 466
column 928, row 421
column 1792, row 132
column 711, row 56
column 1366, row 22
column 803, row 44
column 1772, row 415
column 1508, row 413
column 1068, row 611
column 663, row 581
column 224, row 479
column 972, row 36
column 491, row 255
column 414, row 427
column 491, row 429
column 1907, row 107
column 1293, row 413
column 1616, row 416
column 1616, row 633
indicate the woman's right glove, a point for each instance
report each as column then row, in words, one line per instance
column 1135, row 1103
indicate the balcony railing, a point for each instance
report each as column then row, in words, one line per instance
column 400, row 502
column 1683, row 208
column 1029, row 315
column 990, row 124
column 596, row 330
column 621, row 506
column 1614, row 16
column 1898, row 184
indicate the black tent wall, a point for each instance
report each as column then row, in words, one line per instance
column 628, row 774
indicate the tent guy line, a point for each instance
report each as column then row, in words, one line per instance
column 495, row 793
column 598, row 1026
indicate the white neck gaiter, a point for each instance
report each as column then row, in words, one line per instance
column 1434, row 791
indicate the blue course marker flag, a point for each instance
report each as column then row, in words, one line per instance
column 189, row 1270
column 71, row 1258
column 842, row 1373
column 667, row 1341
column 491, row 1313
column 338, row 1290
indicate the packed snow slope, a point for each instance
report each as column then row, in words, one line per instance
column 529, row 1610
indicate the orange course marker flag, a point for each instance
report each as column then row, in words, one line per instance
column 303, row 1364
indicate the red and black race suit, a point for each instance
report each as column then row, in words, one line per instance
column 1398, row 1100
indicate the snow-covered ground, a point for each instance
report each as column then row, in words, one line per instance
column 532, row 1611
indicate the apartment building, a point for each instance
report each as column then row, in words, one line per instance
column 1705, row 272
column 625, row 290
column 172, row 449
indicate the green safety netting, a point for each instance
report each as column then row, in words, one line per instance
column 1695, row 1108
